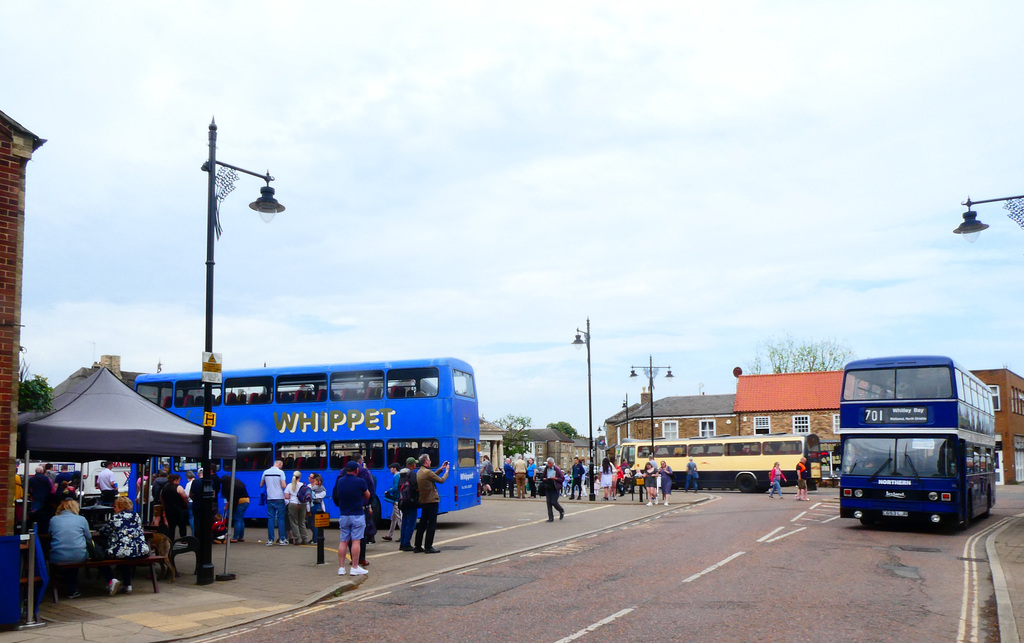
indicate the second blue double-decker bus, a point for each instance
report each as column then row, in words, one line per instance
column 918, row 442
column 314, row 419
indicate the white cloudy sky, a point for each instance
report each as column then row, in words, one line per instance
column 476, row 179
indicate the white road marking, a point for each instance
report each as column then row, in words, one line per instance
column 799, row 516
column 713, row 567
column 596, row 625
column 372, row 596
column 426, row 582
column 770, row 534
column 795, row 531
column 831, row 519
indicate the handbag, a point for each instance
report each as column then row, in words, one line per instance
column 263, row 498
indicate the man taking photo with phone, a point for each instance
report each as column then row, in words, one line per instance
column 429, row 500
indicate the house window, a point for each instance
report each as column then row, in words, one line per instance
column 835, row 423
column 670, row 429
column 762, row 425
column 801, row 424
column 707, row 428
column 995, row 396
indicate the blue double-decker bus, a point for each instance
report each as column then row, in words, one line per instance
column 918, row 442
column 316, row 418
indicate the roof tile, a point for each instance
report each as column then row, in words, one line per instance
column 788, row 391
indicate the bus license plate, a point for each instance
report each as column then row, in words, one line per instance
column 891, row 512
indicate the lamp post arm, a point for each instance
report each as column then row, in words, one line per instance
column 969, row 202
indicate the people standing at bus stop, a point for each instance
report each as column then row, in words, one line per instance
column 510, row 478
column 241, row 498
column 429, row 500
column 486, row 474
column 803, row 474
column 391, row 495
column 297, row 497
column 531, row 477
column 692, row 475
column 553, row 479
column 274, row 482
column 651, row 481
column 776, row 478
column 520, row 466
column 349, row 494
column 408, row 502
column 175, row 505
column 666, row 481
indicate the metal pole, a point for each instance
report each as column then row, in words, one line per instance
column 650, row 389
column 590, row 416
column 204, row 523
column 230, row 526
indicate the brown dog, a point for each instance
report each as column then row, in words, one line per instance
column 160, row 545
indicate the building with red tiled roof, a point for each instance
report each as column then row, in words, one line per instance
column 789, row 403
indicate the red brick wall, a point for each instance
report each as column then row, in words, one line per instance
column 15, row 150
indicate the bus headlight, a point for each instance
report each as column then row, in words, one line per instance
column 933, row 496
column 859, row 493
column 858, row 514
column 936, row 518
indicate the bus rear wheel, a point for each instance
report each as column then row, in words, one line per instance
column 746, row 483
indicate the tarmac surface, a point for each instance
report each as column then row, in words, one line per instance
column 272, row 582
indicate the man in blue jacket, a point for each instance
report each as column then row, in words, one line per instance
column 578, row 473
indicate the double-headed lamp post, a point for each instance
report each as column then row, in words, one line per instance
column 267, row 206
column 651, row 371
column 583, row 339
column 971, row 227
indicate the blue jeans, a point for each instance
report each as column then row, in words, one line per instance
column 408, row 526
column 238, row 520
column 276, row 515
column 690, row 478
column 776, row 487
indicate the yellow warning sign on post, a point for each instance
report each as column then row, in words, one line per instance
column 210, row 419
column 212, row 364
column 322, row 519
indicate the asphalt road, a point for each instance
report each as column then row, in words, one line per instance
column 736, row 568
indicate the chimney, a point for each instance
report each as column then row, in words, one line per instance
column 112, row 363
column 645, row 396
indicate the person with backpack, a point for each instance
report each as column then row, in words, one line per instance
column 430, row 500
column 408, row 502
column 298, row 495
column 391, row 495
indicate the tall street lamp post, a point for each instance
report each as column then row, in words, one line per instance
column 583, row 339
column 971, row 227
column 267, row 206
column 651, row 371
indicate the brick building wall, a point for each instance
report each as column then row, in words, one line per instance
column 821, row 422
column 1009, row 419
column 16, row 147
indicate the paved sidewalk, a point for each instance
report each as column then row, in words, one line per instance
column 1005, row 548
column 275, row 580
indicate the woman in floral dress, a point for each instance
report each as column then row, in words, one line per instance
column 125, row 539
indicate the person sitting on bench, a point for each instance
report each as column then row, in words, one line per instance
column 124, row 539
column 70, row 541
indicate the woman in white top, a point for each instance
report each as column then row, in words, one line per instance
column 297, row 510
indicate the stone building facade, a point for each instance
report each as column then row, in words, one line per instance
column 17, row 145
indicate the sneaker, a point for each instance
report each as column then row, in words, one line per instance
column 74, row 594
column 127, row 589
column 386, row 537
column 417, row 550
column 283, row 542
column 113, row 586
column 648, row 504
column 270, row 543
column 358, row 571
column 341, row 571
column 666, row 503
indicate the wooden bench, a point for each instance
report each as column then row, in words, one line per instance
column 146, row 561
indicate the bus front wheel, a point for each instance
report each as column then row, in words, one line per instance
column 746, row 483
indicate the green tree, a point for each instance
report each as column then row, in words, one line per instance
column 788, row 355
column 34, row 394
column 516, row 429
column 565, row 428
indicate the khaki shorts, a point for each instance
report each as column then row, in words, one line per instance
column 801, row 484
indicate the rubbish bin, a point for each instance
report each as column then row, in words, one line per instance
column 10, row 580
